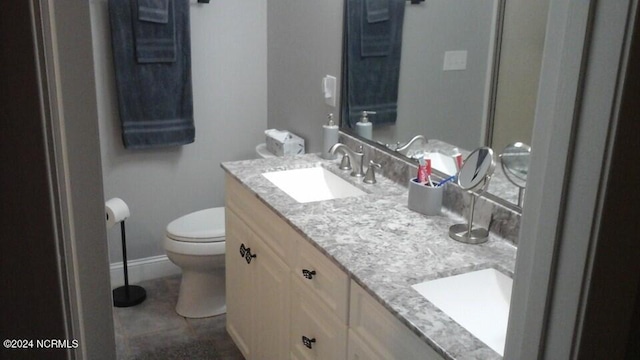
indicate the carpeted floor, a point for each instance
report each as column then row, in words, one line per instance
column 196, row 350
column 153, row 330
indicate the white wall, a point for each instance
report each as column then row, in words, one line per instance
column 305, row 44
column 228, row 47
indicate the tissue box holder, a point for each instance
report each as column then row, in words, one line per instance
column 293, row 145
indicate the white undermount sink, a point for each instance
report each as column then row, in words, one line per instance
column 312, row 184
column 477, row 300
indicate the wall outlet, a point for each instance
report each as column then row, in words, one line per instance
column 455, row 60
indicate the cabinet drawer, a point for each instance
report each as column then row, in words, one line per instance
column 384, row 334
column 323, row 278
column 275, row 232
column 325, row 335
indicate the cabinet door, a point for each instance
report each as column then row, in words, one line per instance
column 381, row 332
column 271, row 292
column 239, row 283
column 359, row 350
column 325, row 337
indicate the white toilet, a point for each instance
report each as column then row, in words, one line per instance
column 196, row 243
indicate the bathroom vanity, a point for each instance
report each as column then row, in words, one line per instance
column 333, row 279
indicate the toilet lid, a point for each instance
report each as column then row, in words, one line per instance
column 201, row 226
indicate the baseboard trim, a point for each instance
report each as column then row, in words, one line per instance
column 143, row 269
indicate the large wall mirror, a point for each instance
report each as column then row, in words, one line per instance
column 468, row 70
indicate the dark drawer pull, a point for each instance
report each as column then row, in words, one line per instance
column 249, row 256
column 308, row 342
column 245, row 252
column 308, row 273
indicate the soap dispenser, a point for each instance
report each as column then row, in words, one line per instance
column 330, row 138
column 364, row 128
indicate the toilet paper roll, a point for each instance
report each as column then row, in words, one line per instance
column 116, row 211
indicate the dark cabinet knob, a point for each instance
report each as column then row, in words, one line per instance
column 308, row 273
column 308, row 342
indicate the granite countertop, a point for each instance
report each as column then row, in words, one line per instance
column 384, row 246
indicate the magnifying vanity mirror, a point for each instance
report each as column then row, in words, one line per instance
column 515, row 165
column 462, row 73
column 474, row 176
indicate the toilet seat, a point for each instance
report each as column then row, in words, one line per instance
column 198, row 233
column 202, row 226
column 198, row 249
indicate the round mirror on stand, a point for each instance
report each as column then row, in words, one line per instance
column 515, row 165
column 474, row 176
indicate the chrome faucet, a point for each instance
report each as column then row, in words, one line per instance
column 357, row 156
column 408, row 144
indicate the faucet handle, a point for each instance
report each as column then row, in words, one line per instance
column 370, row 177
column 345, row 163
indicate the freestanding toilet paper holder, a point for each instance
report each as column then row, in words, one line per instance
column 127, row 295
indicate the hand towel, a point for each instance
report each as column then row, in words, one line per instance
column 156, row 11
column 377, row 10
column 376, row 28
column 155, row 42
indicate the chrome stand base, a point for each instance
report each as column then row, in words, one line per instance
column 461, row 233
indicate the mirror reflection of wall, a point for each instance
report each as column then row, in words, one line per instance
column 519, row 70
column 456, row 105
column 445, row 105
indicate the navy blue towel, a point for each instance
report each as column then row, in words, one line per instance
column 156, row 11
column 373, row 46
column 376, row 28
column 154, row 32
column 377, row 10
column 155, row 99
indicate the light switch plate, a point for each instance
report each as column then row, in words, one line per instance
column 455, row 60
column 329, row 84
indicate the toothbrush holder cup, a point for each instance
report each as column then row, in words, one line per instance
column 424, row 198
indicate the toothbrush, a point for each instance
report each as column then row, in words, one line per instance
column 450, row 178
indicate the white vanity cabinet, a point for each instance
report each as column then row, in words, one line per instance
column 316, row 333
column 287, row 300
column 374, row 333
column 319, row 306
column 257, row 276
column 258, row 289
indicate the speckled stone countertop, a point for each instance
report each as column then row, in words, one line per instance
column 384, row 246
